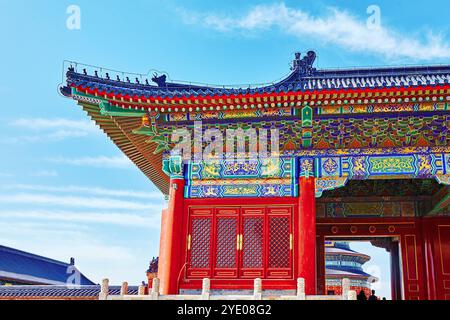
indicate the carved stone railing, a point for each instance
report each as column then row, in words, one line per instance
column 258, row 293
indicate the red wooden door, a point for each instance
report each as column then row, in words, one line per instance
column 240, row 242
column 226, row 245
column 200, row 243
column 280, row 241
column 252, row 243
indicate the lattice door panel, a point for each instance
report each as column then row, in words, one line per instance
column 226, row 262
column 240, row 242
column 280, row 246
column 200, row 247
column 253, row 246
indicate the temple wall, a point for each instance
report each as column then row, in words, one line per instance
column 436, row 234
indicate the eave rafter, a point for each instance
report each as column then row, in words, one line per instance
column 133, row 146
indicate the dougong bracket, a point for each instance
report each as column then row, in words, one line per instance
column 173, row 167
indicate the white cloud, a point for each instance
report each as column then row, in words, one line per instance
column 111, row 233
column 6, row 175
column 150, row 219
column 121, row 161
column 44, row 173
column 75, row 201
column 50, row 130
column 337, row 27
column 59, row 123
column 156, row 195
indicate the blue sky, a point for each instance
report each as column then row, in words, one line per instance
column 66, row 190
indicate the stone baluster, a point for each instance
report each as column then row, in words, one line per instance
column 104, row 290
column 301, row 289
column 206, row 289
column 351, row 295
column 257, row 291
column 141, row 290
column 155, row 289
column 124, row 289
column 345, row 288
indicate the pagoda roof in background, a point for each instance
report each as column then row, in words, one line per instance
column 24, row 267
column 303, row 77
column 346, row 272
column 341, row 251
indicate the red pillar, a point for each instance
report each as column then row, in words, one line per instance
column 170, row 251
column 429, row 256
column 396, row 293
column 307, row 233
column 321, row 276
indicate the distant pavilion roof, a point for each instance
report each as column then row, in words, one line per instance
column 346, row 272
column 340, row 251
column 24, row 267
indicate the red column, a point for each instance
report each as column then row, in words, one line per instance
column 396, row 293
column 320, row 251
column 307, row 234
column 427, row 235
column 170, row 250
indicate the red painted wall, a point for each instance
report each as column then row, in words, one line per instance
column 424, row 249
column 436, row 234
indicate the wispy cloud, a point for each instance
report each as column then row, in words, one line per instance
column 6, row 175
column 83, row 189
column 144, row 220
column 75, row 201
column 50, row 130
column 120, row 162
column 65, row 221
column 59, row 123
column 335, row 26
column 44, row 173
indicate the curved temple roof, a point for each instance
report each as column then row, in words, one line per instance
column 121, row 107
column 303, row 77
column 26, row 267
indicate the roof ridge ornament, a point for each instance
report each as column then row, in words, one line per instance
column 304, row 66
column 159, row 80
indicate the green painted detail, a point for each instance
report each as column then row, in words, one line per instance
column 108, row 110
column 441, row 205
column 173, row 167
column 307, row 117
column 159, row 137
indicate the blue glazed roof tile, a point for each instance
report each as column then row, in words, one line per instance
column 59, row 291
column 21, row 266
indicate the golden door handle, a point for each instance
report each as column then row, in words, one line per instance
column 241, row 242
column 237, row 242
column 291, row 242
column 189, row 242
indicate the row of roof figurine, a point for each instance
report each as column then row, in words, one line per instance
column 303, row 77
